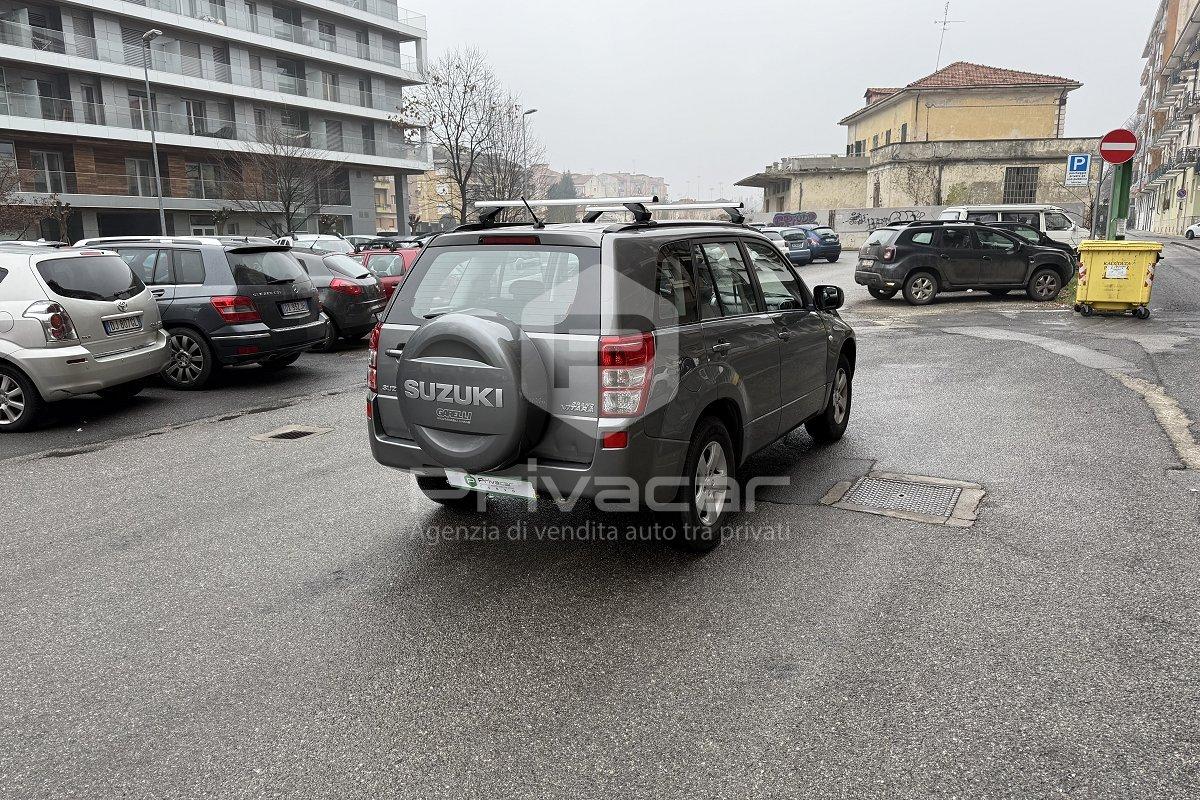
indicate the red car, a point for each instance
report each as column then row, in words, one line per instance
column 390, row 266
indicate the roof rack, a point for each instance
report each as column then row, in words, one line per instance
column 593, row 212
column 932, row 222
column 490, row 209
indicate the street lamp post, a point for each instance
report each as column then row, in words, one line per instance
column 148, row 114
column 525, row 151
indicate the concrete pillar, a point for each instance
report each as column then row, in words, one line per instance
column 401, row 180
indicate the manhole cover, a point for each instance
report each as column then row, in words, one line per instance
column 290, row 433
column 938, row 501
column 915, row 498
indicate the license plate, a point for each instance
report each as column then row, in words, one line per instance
column 293, row 308
column 868, row 262
column 490, row 484
column 1118, row 272
column 123, row 325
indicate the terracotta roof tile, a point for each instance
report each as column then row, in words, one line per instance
column 964, row 73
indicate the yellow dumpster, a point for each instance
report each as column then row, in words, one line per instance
column 1116, row 276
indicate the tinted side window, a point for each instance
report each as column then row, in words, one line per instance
column 674, row 285
column 1028, row 233
column 983, row 216
column 3, row 274
column 922, row 237
column 956, row 239
column 706, row 292
column 992, row 240
column 730, row 278
column 1056, row 222
column 775, row 278
column 142, row 262
column 189, row 266
column 1026, row 217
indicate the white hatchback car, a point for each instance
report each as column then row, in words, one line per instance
column 72, row 322
column 1193, row 231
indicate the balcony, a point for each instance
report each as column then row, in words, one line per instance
column 389, row 11
column 167, row 122
column 175, row 187
column 113, row 52
column 1181, row 160
column 268, row 25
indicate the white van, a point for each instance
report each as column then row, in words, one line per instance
column 1051, row 220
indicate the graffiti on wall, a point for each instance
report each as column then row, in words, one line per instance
column 870, row 219
column 787, row 219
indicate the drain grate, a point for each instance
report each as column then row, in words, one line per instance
column 913, row 498
column 290, row 433
column 937, row 501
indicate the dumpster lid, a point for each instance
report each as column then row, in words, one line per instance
column 1126, row 245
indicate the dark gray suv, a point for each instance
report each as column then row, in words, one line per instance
column 225, row 304
column 592, row 360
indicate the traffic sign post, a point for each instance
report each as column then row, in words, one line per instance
column 1118, row 148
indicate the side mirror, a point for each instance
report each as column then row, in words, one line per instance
column 828, row 298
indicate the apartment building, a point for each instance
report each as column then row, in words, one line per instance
column 75, row 115
column 1165, row 195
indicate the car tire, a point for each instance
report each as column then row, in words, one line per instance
column 126, row 391
column 191, row 364
column 999, row 292
column 1190, row 234
column 21, row 405
column 920, row 288
column 881, row 294
column 439, row 490
column 330, row 341
column 830, row 424
column 276, row 364
column 710, row 457
column 1044, row 285
column 832, row 259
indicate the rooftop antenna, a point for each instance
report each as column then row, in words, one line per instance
column 945, row 22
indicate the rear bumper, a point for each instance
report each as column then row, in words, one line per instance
column 826, row 251
column 60, row 373
column 356, row 318
column 242, row 344
column 800, row 256
column 645, row 469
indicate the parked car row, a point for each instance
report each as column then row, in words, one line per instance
column 106, row 314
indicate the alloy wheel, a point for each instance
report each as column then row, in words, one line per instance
column 922, row 289
column 187, row 360
column 841, row 397
column 12, row 400
column 712, row 483
column 1045, row 286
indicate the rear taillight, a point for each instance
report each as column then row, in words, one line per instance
column 56, row 322
column 236, row 308
column 373, row 359
column 889, row 253
column 626, row 365
column 343, row 286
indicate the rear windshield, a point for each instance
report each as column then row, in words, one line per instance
column 823, row 231
column 542, row 288
column 799, row 234
column 345, row 265
column 387, row 265
column 883, row 237
column 90, row 278
column 776, row 235
column 330, row 245
column 264, row 268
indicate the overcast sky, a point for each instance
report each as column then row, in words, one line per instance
column 705, row 93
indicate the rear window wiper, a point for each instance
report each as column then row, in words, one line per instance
column 280, row 281
column 437, row 312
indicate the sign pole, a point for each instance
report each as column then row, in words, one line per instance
column 1119, row 205
column 1096, row 202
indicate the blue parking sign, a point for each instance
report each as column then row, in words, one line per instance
column 1079, row 166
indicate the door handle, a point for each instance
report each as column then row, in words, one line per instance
column 785, row 334
column 987, row 258
column 721, row 347
column 158, row 292
column 394, row 353
column 945, row 257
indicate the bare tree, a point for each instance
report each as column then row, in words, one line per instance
column 282, row 184
column 461, row 105
column 503, row 170
column 17, row 214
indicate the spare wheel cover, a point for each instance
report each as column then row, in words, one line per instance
column 473, row 390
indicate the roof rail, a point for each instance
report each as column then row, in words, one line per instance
column 490, row 209
column 729, row 207
column 933, row 222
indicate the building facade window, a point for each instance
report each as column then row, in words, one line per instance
column 887, row 136
column 875, row 142
column 1020, row 185
column 202, row 181
column 140, row 174
column 904, row 132
column 48, row 173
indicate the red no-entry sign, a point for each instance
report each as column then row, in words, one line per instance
column 1118, row 146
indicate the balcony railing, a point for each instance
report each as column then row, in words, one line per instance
column 166, row 121
column 268, row 25
column 114, row 52
column 125, row 184
column 389, row 11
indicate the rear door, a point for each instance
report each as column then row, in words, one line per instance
column 959, row 257
column 111, row 308
column 276, row 284
column 743, row 344
column 1003, row 261
column 153, row 266
column 804, row 349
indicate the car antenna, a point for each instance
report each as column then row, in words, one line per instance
column 537, row 223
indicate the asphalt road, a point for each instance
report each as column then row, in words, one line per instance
column 198, row 614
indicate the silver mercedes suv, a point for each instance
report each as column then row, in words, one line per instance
column 72, row 321
column 646, row 359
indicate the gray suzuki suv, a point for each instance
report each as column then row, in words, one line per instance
column 647, row 359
